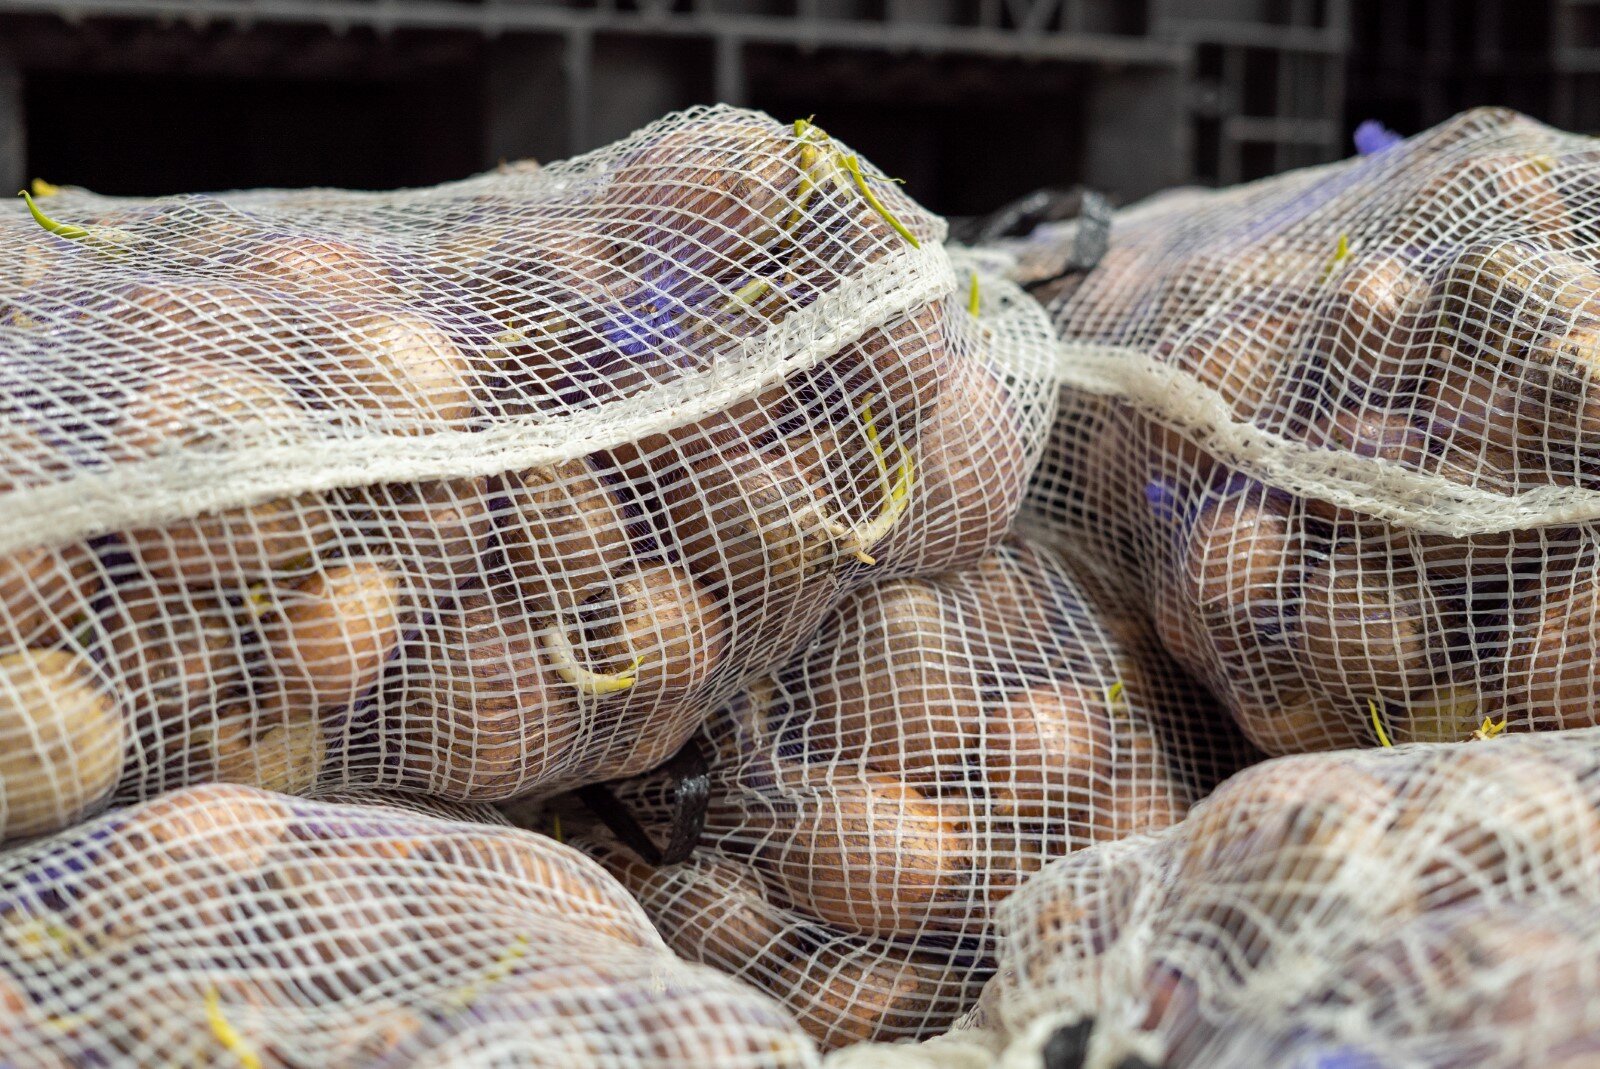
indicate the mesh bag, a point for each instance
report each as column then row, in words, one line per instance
column 871, row 802
column 481, row 489
column 1396, row 900
column 1335, row 427
column 228, row 926
column 1459, row 989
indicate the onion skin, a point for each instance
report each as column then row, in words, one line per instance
column 1369, row 627
column 179, row 656
column 894, row 683
column 665, row 631
column 396, row 368
column 61, row 740
column 329, row 636
column 1551, row 660
column 708, row 910
column 967, row 487
column 44, row 590
column 708, row 194
column 754, row 529
column 440, row 530
column 1048, row 754
column 564, row 530
column 170, row 863
column 480, row 715
column 854, row 994
column 866, row 853
column 202, row 405
column 308, row 265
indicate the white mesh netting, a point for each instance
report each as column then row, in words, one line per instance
column 475, row 490
column 872, row 801
column 1336, row 427
column 232, row 927
column 1429, row 905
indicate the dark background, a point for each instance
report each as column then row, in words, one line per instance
column 973, row 102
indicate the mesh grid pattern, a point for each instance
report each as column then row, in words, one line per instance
column 228, row 926
column 1335, row 428
column 478, row 490
column 1428, row 905
column 874, row 800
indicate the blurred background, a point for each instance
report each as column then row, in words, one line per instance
column 973, row 102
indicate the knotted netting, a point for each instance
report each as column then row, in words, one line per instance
column 481, row 489
column 1336, row 427
column 874, row 800
column 227, row 926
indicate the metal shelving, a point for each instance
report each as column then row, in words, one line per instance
column 1148, row 92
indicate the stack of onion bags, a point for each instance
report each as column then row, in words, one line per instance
column 874, row 800
column 478, row 490
column 228, row 926
column 1427, row 905
column 1338, row 427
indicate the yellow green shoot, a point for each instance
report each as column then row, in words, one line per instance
column 974, row 298
column 1377, row 726
column 747, row 295
column 896, row 495
column 65, row 230
column 852, row 164
column 1489, row 729
column 812, row 157
column 42, row 189
column 494, row 973
column 1116, row 696
column 50, row 937
column 555, row 828
column 1340, row 252
column 225, row 1033
column 564, row 659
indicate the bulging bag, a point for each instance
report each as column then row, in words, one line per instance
column 872, row 802
column 1336, row 426
column 1521, row 983
column 477, row 490
column 228, row 926
column 1387, row 907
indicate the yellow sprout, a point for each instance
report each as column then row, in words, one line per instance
column 230, row 1039
column 747, row 295
column 42, row 189
column 1377, row 725
column 1340, row 251
column 974, row 300
column 53, row 938
column 494, row 973
column 65, row 230
column 1116, row 695
column 564, row 659
column 555, row 828
column 852, row 164
column 817, row 157
column 812, row 160
column 1489, row 729
column 896, row 492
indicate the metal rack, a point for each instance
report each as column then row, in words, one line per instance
column 1415, row 63
column 1575, row 60
column 1149, row 92
column 1267, row 83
